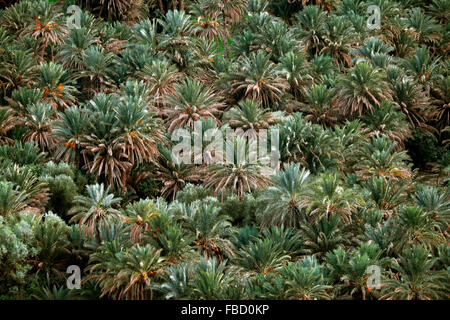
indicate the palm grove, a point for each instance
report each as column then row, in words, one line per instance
column 88, row 178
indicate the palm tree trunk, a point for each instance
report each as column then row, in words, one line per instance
column 225, row 40
column 175, row 5
column 226, row 47
column 77, row 159
column 181, row 5
column 161, row 6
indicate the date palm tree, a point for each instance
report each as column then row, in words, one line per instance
column 289, row 239
column 103, row 153
column 190, row 102
column 324, row 70
column 439, row 10
column 241, row 174
column 249, row 117
column 102, row 269
column 415, row 226
column 305, row 280
column 204, row 57
column 312, row 20
column 435, row 202
column 161, row 76
column 283, row 202
column 17, row 16
column 51, row 236
column 399, row 37
column 209, row 24
column 214, row 280
column 379, row 158
column 338, row 37
column 340, row 105
column 125, row 273
column 12, row 201
column 177, row 28
column 24, row 179
column 47, row 29
column 309, row 144
column 56, row 85
column 375, row 51
column 22, row 98
column 23, row 154
column 372, row 47
column 388, row 120
column 8, row 120
column 416, row 279
column 257, row 78
column 277, row 39
column 96, row 210
column 350, row 267
column 122, row 133
column 384, row 194
column 319, row 105
column 96, row 62
column 427, row 29
column 330, row 197
column 39, row 126
column 140, row 214
column 173, row 173
column 175, row 281
column 442, row 103
column 421, row 66
column 262, row 256
column 55, row 293
column 74, row 46
column 68, row 130
column 140, row 129
column 324, row 235
column 113, row 9
column 229, row 11
column 413, row 101
column 19, row 68
column 211, row 230
column 363, row 87
column 297, row 72
column 389, row 9
column 140, row 266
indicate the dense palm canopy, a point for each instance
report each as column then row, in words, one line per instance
column 335, row 154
